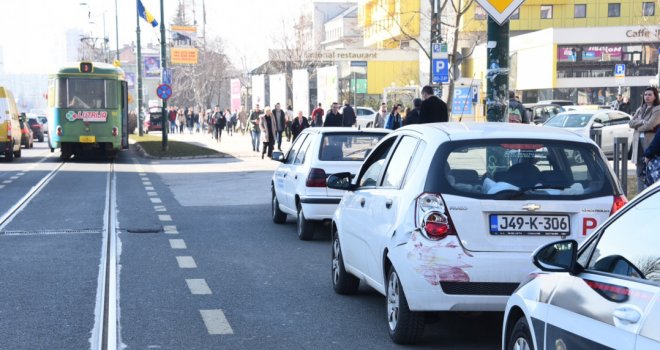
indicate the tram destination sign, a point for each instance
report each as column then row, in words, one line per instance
column 500, row 10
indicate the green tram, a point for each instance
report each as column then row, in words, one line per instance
column 88, row 110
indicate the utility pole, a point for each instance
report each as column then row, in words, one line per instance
column 497, row 77
column 139, row 78
column 163, row 67
column 436, row 38
column 117, row 32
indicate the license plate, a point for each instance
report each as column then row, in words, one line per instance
column 530, row 225
column 88, row 139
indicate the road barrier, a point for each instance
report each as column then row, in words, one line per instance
column 621, row 161
column 596, row 135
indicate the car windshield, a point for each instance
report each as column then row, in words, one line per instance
column 500, row 169
column 348, row 147
column 569, row 120
column 32, row 122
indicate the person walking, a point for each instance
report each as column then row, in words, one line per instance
column 189, row 120
column 268, row 124
column 379, row 121
column 645, row 123
column 333, row 118
column 289, row 120
column 414, row 116
column 229, row 126
column 181, row 119
column 317, row 116
column 255, row 131
column 348, row 115
column 394, row 120
column 280, row 120
column 196, row 119
column 299, row 124
column 242, row 118
column 516, row 110
column 218, row 123
column 624, row 106
column 171, row 116
column 433, row 109
column 652, row 160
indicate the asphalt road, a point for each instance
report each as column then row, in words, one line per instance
column 202, row 266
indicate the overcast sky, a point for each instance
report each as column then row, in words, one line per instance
column 32, row 32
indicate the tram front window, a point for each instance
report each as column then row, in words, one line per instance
column 87, row 93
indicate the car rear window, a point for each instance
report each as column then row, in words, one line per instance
column 348, row 147
column 569, row 120
column 508, row 169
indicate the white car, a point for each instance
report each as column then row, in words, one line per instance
column 299, row 185
column 444, row 216
column 604, row 295
column 365, row 117
column 612, row 124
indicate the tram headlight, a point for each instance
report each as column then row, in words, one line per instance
column 59, row 130
column 115, row 131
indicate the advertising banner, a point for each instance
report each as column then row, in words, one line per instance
column 184, row 55
column 301, row 91
column 277, row 90
column 183, row 36
column 235, row 95
column 589, row 53
column 152, row 67
column 258, row 91
column 326, row 85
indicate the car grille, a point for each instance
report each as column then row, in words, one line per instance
column 478, row 288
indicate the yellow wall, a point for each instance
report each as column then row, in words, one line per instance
column 384, row 20
column 381, row 74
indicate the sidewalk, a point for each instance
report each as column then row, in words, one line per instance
column 237, row 145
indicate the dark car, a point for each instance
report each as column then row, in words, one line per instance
column 154, row 121
column 27, row 139
column 540, row 112
column 38, row 129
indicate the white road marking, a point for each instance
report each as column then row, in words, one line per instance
column 149, row 188
column 6, row 182
column 146, row 183
column 2, row 186
column 145, row 179
column 156, row 200
column 160, row 208
column 170, row 230
column 198, row 286
column 178, row 244
column 152, row 194
column 20, row 174
column 14, row 177
column 216, row 322
column 164, row 218
column 186, row 262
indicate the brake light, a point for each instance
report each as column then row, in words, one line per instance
column 115, row 131
column 619, row 201
column 316, row 178
column 9, row 131
column 59, row 131
column 432, row 217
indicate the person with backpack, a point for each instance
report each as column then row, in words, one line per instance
column 219, row 123
column 317, row 116
column 516, row 110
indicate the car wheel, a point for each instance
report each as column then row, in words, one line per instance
column 342, row 281
column 18, row 153
column 9, row 155
column 304, row 227
column 279, row 217
column 405, row 326
column 521, row 338
column 41, row 138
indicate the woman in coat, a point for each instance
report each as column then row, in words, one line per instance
column 268, row 127
column 645, row 121
column 394, row 120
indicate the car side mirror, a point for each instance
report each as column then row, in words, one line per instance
column 597, row 125
column 340, row 181
column 278, row 156
column 560, row 256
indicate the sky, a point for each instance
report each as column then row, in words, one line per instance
column 33, row 32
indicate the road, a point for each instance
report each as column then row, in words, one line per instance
column 200, row 263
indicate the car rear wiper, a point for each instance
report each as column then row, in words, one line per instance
column 517, row 193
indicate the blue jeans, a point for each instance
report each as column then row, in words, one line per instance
column 278, row 137
column 256, row 135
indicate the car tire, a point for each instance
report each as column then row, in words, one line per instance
column 342, row 282
column 279, row 217
column 18, row 153
column 9, row 155
column 41, row 138
column 405, row 326
column 520, row 338
column 304, row 228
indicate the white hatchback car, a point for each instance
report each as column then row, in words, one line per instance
column 604, row 295
column 443, row 217
column 299, row 185
column 365, row 117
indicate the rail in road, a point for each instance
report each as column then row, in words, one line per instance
column 105, row 332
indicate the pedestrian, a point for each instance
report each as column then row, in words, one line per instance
column 171, row 115
column 317, row 116
column 516, row 110
column 181, row 119
column 645, row 122
column 234, row 121
column 652, row 160
column 348, row 115
column 196, row 119
column 189, row 120
column 299, row 124
column 333, row 118
column 394, row 121
column 625, row 105
column 218, row 123
column 228, row 125
column 433, row 109
column 242, row 118
column 414, row 116
column 617, row 102
column 255, row 131
column 268, row 124
column 289, row 121
column 280, row 120
column 379, row 121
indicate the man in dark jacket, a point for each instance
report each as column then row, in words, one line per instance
column 414, row 116
column 515, row 104
column 333, row 118
column 433, row 109
column 280, row 119
column 299, row 124
column 348, row 115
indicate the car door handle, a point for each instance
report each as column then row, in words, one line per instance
column 388, row 204
column 362, row 201
column 627, row 315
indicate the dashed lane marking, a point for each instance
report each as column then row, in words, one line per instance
column 186, row 262
column 146, row 183
column 20, row 174
column 14, row 177
column 152, row 194
column 198, row 286
column 216, row 322
column 160, row 208
column 164, row 218
column 2, row 186
column 156, row 200
column 6, row 182
column 170, row 230
column 149, row 188
column 178, row 244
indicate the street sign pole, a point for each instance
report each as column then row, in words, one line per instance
column 163, row 64
column 497, row 82
column 436, row 38
column 139, row 80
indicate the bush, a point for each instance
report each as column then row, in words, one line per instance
column 132, row 122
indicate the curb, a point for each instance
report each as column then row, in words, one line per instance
column 144, row 154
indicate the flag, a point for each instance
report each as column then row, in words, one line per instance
column 142, row 12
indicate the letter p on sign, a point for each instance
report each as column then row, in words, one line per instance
column 588, row 224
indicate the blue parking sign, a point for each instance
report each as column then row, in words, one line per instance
column 620, row 70
column 440, row 70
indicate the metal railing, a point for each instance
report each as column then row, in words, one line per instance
column 621, row 161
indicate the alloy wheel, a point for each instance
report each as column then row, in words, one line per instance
column 521, row 344
column 393, row 300
column 335, row 261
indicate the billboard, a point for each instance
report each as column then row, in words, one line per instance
column 152, row 67
column 300, row 81
column 277, row 90
column 184, row 55
column 235, row 94
column 326, row 85
column 258, row 91
column 183, row 40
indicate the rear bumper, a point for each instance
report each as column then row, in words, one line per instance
column 319, row 208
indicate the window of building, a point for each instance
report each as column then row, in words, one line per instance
column 614, row 10
column 546, row 11
column 648, row 9
column 580, row 11
column 480, row 13
column 515, row 14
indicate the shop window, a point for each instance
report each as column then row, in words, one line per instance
column 648, row 9
column 479, row 13
column 546, row 11
column 515, row 14
column 614, row 10
column 580, row 11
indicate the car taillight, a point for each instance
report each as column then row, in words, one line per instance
column 115, row 131
column 619, row 201
column 9, row 131
column 59, row 131
column 316, row 178
column 432, row 217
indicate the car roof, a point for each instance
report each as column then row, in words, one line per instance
column 480, row 131
column 337, row 129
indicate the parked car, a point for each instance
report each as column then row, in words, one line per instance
column 38, row 129
column 365, row 117
column 299, row 184
column 556, row 102
column 42, row 119
column 586, row 107
column 10, row 128
column 443, row 217
column 612, row 124
column 538, row 113
column 27, row 139
column 603, row 295
column 153, row 122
